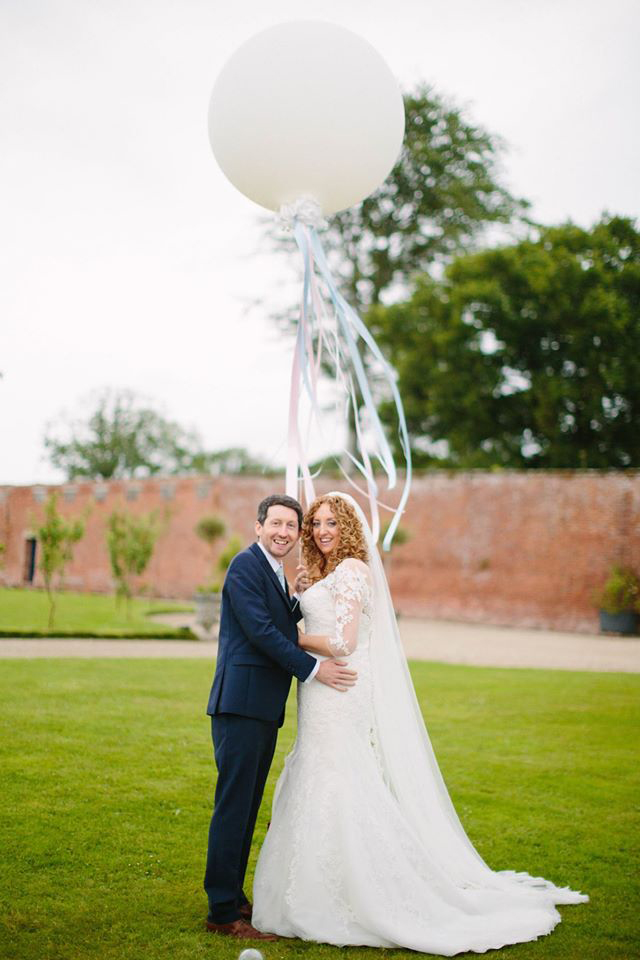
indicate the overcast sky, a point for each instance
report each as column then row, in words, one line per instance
column 127, row 259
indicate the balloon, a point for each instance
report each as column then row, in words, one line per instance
column 306, row 109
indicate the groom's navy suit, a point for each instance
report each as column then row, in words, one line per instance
column 258, row 654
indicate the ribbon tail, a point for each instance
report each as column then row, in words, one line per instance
column 336, row 337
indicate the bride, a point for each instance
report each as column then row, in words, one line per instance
column 364, row 846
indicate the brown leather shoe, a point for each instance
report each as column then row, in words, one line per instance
column 246, row 912
column 240, row 929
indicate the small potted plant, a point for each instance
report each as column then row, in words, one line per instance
column 207, row 601
column 207, row 598
column 619, row 602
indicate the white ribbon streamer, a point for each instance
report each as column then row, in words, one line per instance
column 335, row 337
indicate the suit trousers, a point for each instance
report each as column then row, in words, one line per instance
column 243, row 749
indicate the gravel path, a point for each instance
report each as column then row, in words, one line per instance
column 488, row 646
column 438, row 640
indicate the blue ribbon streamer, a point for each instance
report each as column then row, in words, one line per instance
column 350, row 329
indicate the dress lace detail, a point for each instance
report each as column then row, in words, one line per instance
column 350, row 588
column 341, row 863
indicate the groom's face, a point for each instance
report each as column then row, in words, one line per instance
column 279, row 532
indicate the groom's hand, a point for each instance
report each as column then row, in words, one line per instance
column 336, row 674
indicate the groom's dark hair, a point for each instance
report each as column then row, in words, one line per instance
column 278, row 500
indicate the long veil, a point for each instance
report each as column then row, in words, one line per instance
column 409, row 764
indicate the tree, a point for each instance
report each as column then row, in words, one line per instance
column 57, row 538
column 527, row 355
column 122, row 437
column 125, row 436
column 442, row 193
column 210, row 529
column 231, row 460
column 439, row 199
column 131, row 541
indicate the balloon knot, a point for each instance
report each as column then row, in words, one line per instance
column 304, row 210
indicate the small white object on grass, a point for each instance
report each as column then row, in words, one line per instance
column 251, row 954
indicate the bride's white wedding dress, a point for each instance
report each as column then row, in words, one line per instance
column 364, row 847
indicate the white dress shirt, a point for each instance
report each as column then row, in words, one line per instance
column 275, row 566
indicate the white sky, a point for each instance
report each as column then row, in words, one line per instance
column 127, row 259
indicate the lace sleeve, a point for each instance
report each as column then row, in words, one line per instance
column 349, row 587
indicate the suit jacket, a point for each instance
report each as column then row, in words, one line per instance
column 258, row 650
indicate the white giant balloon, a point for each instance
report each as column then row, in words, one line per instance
column 306, row 109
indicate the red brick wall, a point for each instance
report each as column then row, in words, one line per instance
column 509, row 548
column 526, row 549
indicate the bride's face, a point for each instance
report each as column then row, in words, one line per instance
column 326, row 532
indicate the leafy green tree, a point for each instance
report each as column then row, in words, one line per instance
column 57, row 538
column 131, row 541
column 210, row 529
column 438, row 199
column 231, row 460
column 527, row 355
column 124, row 436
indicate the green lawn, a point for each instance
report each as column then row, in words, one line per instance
column 26, row 613
column 107, row 781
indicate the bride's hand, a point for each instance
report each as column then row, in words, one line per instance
column 302, row 580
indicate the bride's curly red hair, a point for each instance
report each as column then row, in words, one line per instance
column 351, row 543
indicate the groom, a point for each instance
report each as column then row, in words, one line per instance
column 258, row 654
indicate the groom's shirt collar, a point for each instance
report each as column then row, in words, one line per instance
column 273, row 563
